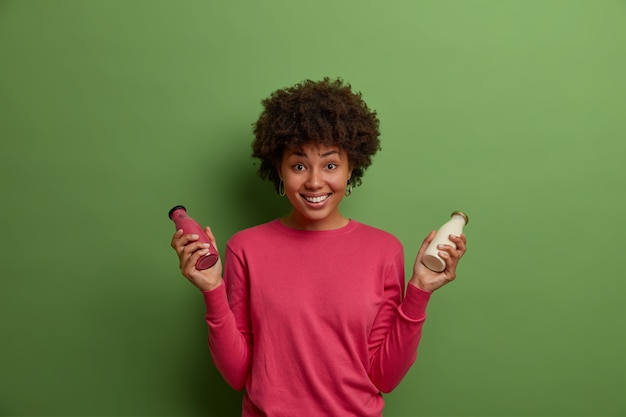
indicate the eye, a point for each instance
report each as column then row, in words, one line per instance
column 331, row 166
column 298, row 167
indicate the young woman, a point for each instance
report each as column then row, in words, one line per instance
column 312, row 316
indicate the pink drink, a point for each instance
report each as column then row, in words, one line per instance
column 182, row 221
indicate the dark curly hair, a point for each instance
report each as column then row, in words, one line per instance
column 326, row 112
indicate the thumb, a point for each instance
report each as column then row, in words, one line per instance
column 209, row 234
column 425, row 243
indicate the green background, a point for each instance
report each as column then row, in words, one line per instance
column 113, row 111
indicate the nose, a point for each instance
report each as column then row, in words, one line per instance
column 314, row 180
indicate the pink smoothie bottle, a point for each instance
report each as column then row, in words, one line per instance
column 182, row 221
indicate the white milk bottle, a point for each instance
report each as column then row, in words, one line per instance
column 454, row 226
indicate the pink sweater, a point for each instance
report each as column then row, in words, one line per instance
column 314, row 323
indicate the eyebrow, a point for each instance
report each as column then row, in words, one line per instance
column 299, row 152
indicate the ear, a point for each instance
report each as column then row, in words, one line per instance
column 278, row 171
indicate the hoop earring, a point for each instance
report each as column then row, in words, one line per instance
column 349, row 189
column 281, row 188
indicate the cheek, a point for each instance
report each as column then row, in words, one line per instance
column 291, row 182
column 341, row 182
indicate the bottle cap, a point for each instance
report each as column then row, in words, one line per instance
column 460, row 213
column 173, row 209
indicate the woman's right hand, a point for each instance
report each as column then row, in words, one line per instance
column 189, row 250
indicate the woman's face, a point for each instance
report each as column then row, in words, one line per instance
column 315, row 178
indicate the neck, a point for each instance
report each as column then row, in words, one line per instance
column 295, row 221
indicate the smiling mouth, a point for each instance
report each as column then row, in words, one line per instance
column 317, row 199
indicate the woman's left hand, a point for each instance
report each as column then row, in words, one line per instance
column 428, row 280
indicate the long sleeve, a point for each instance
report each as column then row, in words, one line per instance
column 230, row 342
column 397, row 329
column 314, row 320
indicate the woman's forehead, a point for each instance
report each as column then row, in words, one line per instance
column 314, row 149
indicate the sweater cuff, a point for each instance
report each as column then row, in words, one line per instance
column 216, row 303
column 415, row 302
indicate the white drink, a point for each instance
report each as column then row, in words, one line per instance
column 454, row 226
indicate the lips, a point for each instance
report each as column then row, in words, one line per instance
column 316, row 199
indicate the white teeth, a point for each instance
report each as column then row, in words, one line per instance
column 316, row 199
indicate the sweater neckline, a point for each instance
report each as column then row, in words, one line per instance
column 352, row 224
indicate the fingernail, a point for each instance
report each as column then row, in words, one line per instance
column 194, row 236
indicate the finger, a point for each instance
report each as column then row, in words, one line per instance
column 187, row 252
column 446, row 251
column 177, row 235
column 454, row 253
column 184, row 240
column 193, row 247
column 460, row 243
column 209, row 233
column 425, row 244
column 193, row 258
column 451, row 262
column 190, row 255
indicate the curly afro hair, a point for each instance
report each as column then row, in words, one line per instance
column 326, row 112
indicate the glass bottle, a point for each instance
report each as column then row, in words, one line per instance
column 454, row 226
column 181, row 219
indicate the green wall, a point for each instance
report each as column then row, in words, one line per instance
column 113, row 111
